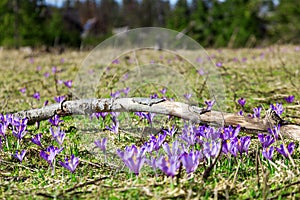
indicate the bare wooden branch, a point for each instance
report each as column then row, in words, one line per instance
column 160, row 106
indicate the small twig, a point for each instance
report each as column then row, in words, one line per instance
column 179, row 174
column 257, row 160
column 83, row 184
column 266, row 186
column 235, row 175
column 19, row 165
column 284, row 195
column 208, row 170
column 285, row 187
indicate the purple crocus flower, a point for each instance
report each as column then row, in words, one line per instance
column 289, row 99
column 125, row 77
column 170, row 131
column 149, row 116
column 201, row 72
column 55, row 120
column 115, row 126
column 19, row 129
column 60, row 138
column 153, row 162
column 101, row 144
column 277, row 107
column 116, row 61
column 208, row 132
column 268, row 152
column 163, row 91
column 265, row 140
column 189, row 135
column 46, row 103
column 235, row 59
column 7, row 119
column 50, row 153
column 242, row 101
column 59, row 99
column 58, row 135
column 36, row 96
column 37, row 139
column 70, row 164
column 275, row 131
column 133, row 157
column 154, row 96
column 172, row 150
column 31, row 60
column 46, row 75
column 23, row 90
column 230, row 132
column 68, row 83
column 99, row 114
column 149, row 146
column 240, row 113
column 199, row 60
column 3, row 128
column 230, row 146
column 114, row 115
column 116, row 94
column 53, row 132
column 257, row 112
column 54, row 69
column 20, row 155
column 155, row 142
column 290, row 148
column 187, row 96
column 191, row 160
column 169, row 165
column 126, row 91
column 103, row 115
column 139, row 114
column 243, row 144
column 211, row 149
column 219, row 64
column 209, row 104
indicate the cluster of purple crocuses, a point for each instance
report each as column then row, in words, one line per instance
column 268, row 140
column 277, row 107
column 194, row 145
column 10, row 125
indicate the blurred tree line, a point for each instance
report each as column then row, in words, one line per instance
column 213, row 23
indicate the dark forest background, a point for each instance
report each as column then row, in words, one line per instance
column 213, row 23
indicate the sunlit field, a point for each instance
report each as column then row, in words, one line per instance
column 146, row 155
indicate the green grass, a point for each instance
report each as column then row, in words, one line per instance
column 261, row 81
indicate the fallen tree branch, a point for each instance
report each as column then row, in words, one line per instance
column 160, row 106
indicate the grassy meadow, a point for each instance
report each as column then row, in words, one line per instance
column 262, row 76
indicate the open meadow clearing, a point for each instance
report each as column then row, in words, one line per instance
column 140, row 155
